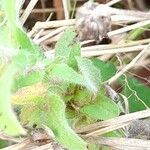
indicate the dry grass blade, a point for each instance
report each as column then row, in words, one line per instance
column 129, row 27
column 49, row 35
column 125, row 99
column 46, row 147
column 70, row 22
column 130, row 45
column 53, row 24
column 43, row 147
column 22, row 3
column 122, row 45
column 120, row 19
column 130, row 4
column 115, row 19
column 28, row 10
column 19, row 146
column 107, row 129
column 110, row 47
column 26, row 145
column 122, row 143
column 43, row 6
column 66, row 11
column 111, row 122
column 129, row 66
column 40, row 31
column 111, row 51
column 3, row 136
column 112, row 2
column 102, row 51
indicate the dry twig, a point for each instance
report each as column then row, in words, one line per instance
column 130, row 65
column 28, row 10
column 99, row 127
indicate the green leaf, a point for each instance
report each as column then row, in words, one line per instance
column 58, row 123
column 68, row 48
column 8, row 121
column 16, row 35
column 107, row 69
column 32, row 114
column 21, row 39
column 138, row 95
column 115, row 133
column 29, row 53
column 51, row 112
column 90, row 74
column 136, row 34
column 10, row 10
column 62, row 47
column 64, row 73
column 3, row 144
column 82, row 97
column 7, row 51
column 30, row 94
column 26, row 58
column 74, row 51
column 4, row 37
column 23, row 80
column 103, row 109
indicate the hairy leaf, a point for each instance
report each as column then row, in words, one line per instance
column 23, row 80
column 103, row 109
column 8, row 121
column 10, row 9
column 51, row 112
column 64, row 73
column 17, row 39
column 74, row 51
column 68, row 48
column 138, row 95
column 32, row 114
column 58, row 123
column 82, row 97
column 29, row 94
column 107, row 69
column 90, row 74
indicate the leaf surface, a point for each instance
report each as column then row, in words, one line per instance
column 107, row 69
column 90, row 74
column 8, row 121
column 138, row 95
column 103, row 109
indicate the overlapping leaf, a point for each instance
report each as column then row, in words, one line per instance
column 107, row 69
column 8, row 121
column 64, row 73
column 53, row 117
column 138, row 95
column 16, row 39
column 90, row 74
column 103, row 109
column 58, row 123
column 68, row 48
